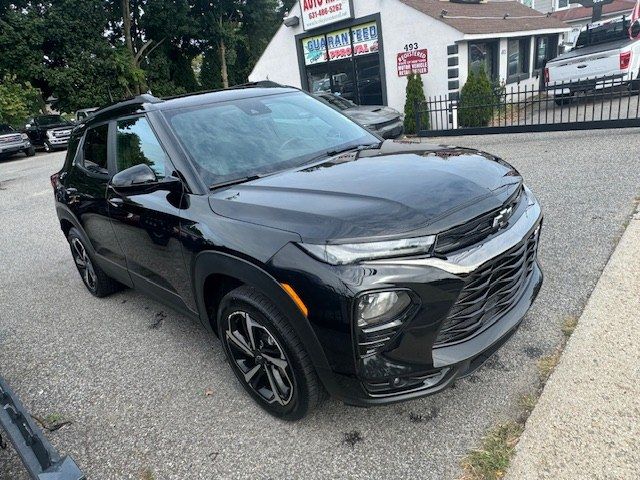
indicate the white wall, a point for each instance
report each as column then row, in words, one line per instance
column 400, row 25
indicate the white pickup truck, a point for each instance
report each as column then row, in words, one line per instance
column 604, row 56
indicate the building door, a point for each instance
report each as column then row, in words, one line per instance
column 368, row 79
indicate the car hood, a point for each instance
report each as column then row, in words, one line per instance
column 371, row 115
column 402, row 189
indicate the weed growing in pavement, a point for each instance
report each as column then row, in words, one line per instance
column 569, row 326
column 491, row 460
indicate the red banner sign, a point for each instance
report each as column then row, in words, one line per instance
column 415, row 61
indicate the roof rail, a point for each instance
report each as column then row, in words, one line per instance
column 128, row 104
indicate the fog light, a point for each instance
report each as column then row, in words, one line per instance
column 381, row 307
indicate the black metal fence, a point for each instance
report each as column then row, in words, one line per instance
column 592, row 103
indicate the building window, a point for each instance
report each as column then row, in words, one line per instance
column 546, row 49
column 518, row 59
column 484, row 55
column 562, row 4
column 345, row 62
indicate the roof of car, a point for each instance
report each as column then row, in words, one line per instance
column 147, row 102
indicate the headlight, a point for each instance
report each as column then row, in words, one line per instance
column 358, row 252
column 49, row 134
column 377, row 308
column 25, row 137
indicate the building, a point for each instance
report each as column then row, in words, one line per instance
column 577, row 17
column 363, row 49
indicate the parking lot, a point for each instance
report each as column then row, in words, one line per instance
column 150, row 396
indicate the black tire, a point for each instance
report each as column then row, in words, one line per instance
column 97, row 282
column 30, row 152
column 269, row 325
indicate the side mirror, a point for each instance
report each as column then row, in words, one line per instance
column 136, row 176
column 141, row 177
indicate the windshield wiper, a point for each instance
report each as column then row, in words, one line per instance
column 357, row 148
column 237, row 181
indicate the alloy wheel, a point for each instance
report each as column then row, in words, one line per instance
column 83, row 262
column 260, row 359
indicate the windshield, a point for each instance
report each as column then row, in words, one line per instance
column 258, row 136
column 45, row 120
column 4, row 129
column 609, row 32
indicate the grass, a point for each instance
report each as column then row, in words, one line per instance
column 546, row 365
column 53, row 418
column 569, row 326
column 147, row 474
column 490, row 462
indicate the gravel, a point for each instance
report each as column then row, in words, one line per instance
column 162, row 401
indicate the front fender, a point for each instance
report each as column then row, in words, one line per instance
column 212, row 263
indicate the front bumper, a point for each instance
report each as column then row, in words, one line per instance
column 15, row 147
column 392, row 131
column 415, row 362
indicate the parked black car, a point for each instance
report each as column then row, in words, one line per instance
column 326, row 259
column 384, row 121
column 50, row 132
column 12, row 142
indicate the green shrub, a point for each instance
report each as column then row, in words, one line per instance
column 479, row 99
column 415, row 94
column 17, row 101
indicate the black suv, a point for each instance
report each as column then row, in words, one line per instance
column 325, row 259
column 49, row 132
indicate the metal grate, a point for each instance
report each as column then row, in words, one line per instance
column 489, row 293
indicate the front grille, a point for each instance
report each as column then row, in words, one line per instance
column 476, row 230
column 11, row 139
column 489, row 292
column 61, row 134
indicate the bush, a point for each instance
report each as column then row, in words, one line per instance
column 17, row 101
column 479, row 98
column 415, row 94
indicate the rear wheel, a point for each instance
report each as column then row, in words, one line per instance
column 266, row 355
column 97, row 282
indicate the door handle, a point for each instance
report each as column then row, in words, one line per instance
column 582, row 66
column 116, row 202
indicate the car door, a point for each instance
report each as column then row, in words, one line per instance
column 86, row 193
column 146, row 217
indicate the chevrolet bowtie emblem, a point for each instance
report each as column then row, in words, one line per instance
column 502, row 218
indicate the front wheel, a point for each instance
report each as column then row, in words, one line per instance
column 266, row 355
column 30, row 152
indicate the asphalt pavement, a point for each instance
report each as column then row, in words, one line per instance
column 149, row 392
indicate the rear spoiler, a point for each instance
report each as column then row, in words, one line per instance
column 39, row 457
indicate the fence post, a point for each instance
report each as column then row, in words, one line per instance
column 454, row 114
column 416, row 108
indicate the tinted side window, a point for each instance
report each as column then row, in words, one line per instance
column 136, row 144
column 95, row 149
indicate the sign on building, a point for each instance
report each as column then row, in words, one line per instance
column 415, row 61
column 318, row 13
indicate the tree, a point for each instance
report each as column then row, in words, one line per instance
column 415, row 99
column 477, row 100
column 17, row 101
